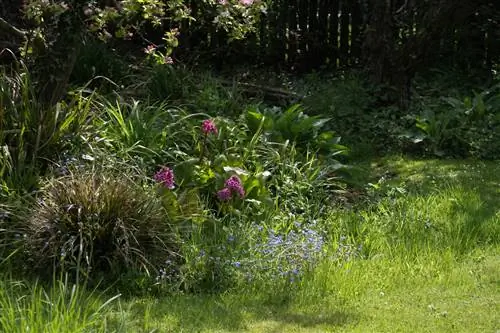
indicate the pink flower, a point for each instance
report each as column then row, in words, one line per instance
column 150, row 49
column 224, row 194
column 223, row 2
column 165, row 177
column 208, row 127
column 233, row 183
column 246, row 2
column 168, row 60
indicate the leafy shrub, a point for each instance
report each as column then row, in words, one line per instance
column 93, row 223
column 166, row 82
column 458, row 126
column 242, row 172
column 293, row 125
column 345, row 99
column 196, row 92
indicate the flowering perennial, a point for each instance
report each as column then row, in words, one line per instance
column 165, row 177
column 224, row 194
column 233, row 186
column 208, row 126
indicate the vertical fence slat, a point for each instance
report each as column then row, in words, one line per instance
column 312, row 35
column 322, row 34
column 302, row 18
column 281, row 30
column 344, row 33
column 333, row 31
column 292, row 32
column 273, row 51
column 356, row 32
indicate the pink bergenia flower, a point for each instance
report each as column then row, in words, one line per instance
column 208, row 127
column 224, row 194
column 234, row 184
column 165, row 177
column 246, row 2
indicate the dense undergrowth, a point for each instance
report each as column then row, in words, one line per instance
column 181, row 184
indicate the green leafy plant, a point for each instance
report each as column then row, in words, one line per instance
column 31, row 133
column 293, row 125
column 459, row 126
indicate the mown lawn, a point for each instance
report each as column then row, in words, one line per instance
column 430, row 263
column 434, row 293
column 440, row 284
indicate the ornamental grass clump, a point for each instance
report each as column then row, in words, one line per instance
column 98, row 225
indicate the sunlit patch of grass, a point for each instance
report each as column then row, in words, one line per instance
column 63, row 307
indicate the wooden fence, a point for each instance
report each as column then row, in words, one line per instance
column 311, row 33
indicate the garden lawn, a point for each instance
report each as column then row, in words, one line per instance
column 430, row 262
column 446, row 280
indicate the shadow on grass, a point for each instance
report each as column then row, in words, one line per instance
column 228, row 313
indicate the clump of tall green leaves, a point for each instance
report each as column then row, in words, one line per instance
column 31, row 133
column 64, row 307
column 293, row 125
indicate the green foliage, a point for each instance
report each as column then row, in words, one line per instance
column 123, row 19
column 31, row 133
column 97, row 224
column 346, row 99
column 459, row 126
column 64, row 307
column 97, row 59
column 166, row 82
column 141, row 131
column 293, row 125
column 195, row 91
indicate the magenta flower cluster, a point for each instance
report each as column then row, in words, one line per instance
column 165, row 177
column 208, row 126
column 233, row 186
column 224, row 194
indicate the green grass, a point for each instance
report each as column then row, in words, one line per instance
column 433, row 293
column 31, row 307
column 430, row 263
